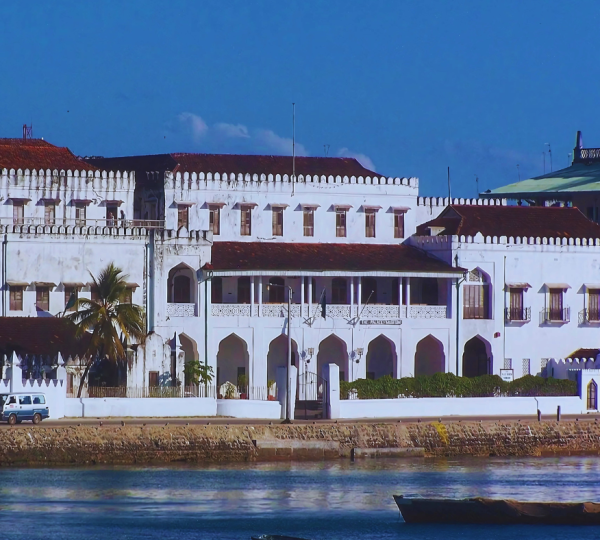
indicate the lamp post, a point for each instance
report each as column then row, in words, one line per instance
column 288, row 388
column 206, row 275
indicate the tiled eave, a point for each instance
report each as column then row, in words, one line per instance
column 337, row 273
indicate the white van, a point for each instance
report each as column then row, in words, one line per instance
column 19, row 406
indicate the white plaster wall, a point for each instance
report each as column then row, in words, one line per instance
column 437, row 407
column 248, row 408
column 139, row 407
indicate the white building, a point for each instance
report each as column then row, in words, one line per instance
column 411, row 286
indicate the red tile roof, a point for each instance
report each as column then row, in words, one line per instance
column 36, row 154
column 236, row 164
column 515, row 221
column 40, row 335
column 324, row 257
column 584, row 353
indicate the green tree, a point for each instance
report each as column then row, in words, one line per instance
column 108, row 317
column 197, row 373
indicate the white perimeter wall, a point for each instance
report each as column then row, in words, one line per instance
column 139, row 407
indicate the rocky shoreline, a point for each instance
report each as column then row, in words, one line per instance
column 156, row 444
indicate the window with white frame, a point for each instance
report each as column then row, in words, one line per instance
column 340, row 222
column 18, row 213
column 245, row 220
column 476, row 296
column 277, row 220
column 49, row 213
column 309, row 221
column 80, row 214
column 399, row 223
column 370, row 215
column 214, row 219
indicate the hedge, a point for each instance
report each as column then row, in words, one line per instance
column 449, row 385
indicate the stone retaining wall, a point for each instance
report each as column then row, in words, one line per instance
column 81, row 445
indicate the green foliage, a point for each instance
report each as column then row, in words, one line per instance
column 449, row 385
column 270, row 383
column 242, row 381
column 197, row 373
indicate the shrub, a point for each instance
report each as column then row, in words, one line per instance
column 449, row 385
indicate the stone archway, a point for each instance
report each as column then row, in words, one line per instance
column 429, row 357
column 381, row 358
column 232, row 360
column 477, row 358
column 189, row 347
column 333, row 350
column 181, row 285
column 277, row 355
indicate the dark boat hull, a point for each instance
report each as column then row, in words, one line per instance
column 492, row 511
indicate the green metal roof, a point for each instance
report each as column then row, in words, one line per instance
column 578, row 178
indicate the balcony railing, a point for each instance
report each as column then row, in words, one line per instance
column 181, row 310
column 428, row 312
column 589, row 316
column 586, row 154
column 512, row 314
column 87, row 222
column 234, row 310
column 555, row 315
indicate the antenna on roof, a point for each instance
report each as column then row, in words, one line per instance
column 27, row 132
column 550, row 154
column 518, row 172
column 477, row 184
column 293, row 146
column 326, row 148
column 449, row 190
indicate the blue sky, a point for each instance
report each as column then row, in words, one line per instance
column 408, row 87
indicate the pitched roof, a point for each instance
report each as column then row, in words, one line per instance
column 36, row 154
column 515, row 221
column 40, row 335
column 236, row 164
column 247, row 256
column 578, row 178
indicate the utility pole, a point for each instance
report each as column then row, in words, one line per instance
column 550, row 154
column 288, row 386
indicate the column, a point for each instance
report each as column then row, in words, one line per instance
column 310, row 296
column 260, row 295
column 407, row 293
column 400, row 300
column 352, row 297
column 359, row 294
column 252, row 280
column 302, row 296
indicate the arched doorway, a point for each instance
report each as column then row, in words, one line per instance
column 277, row 355
column 476, row 358
column 429, row 357
column 232, row 361
column 381, row 358
column 592, row 396
column 333, row 350
column 190, row 354
column 181, row 285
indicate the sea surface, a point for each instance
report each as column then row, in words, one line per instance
column 332, row 500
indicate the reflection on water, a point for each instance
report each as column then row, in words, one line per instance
column 316, row 500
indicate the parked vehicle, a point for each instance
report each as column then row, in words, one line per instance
column 20, row 406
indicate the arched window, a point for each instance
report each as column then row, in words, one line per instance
column 276, row 290
column 476, row 296
column 369, row 285
column 216, row 290
column 339, row 291
column 592, row 396
column 243, row 290
column 181, row 290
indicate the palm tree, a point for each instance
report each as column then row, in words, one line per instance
column 107, row 316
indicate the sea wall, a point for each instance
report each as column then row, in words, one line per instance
column 143, row 444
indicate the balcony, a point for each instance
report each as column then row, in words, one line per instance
column 428, row 312
column 84, row 222
column 589, row 316
column 512, row 314
column 234, row 310
column 181, row 310
column 555, row 316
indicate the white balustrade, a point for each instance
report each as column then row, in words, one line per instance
column 428, row 312
column 181, row 310
column 382, row 311
column 233, row 310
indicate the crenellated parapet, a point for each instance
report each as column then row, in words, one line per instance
column 62, row 180
column 447, row 241
column 188, row 181
column 445, row 201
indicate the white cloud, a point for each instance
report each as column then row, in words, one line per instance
column 363, row 159
column 231, row 130
column 238, row 137
column 277, row 144
column 196, row 124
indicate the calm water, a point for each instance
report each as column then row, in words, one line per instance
column 336, row 500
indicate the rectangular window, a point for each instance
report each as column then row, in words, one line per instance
column 42, row 298
column 398, row 224
column 340, row 223
column 71, row 294
column 183, row 215
column 16, row 298
column 370, row 223
column 214, row 219
column 246, row 220
column 556, row 305
column 153, row 379
column 80, row 211
column 18, row 213
column 309, row 222
column 516, row 305
column 277, row 221
column 128, row 296
column 475, row 302
column 49, row 214
column 112, row 212
column 594, row 305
